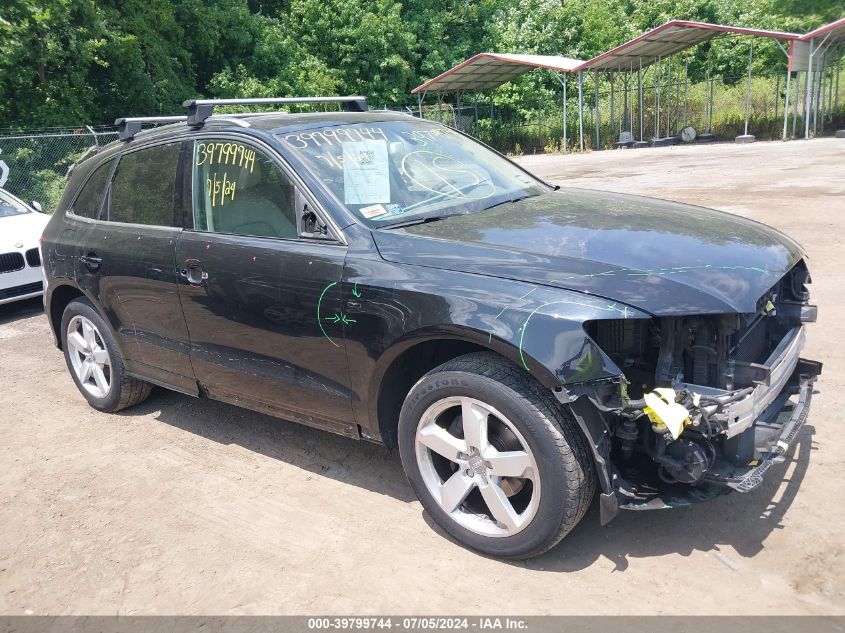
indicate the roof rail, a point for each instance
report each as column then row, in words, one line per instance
column 200, row 109
column 128, row 127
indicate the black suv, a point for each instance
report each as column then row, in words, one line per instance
column 391, row 279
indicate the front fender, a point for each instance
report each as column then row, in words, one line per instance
column 537, row 327
column 551, row 342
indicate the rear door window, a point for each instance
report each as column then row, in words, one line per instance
column 143, row 190
column 90, row 199
column 238, row 189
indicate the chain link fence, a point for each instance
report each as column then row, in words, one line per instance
column 34, row 163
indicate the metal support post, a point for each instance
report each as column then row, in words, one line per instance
column 807, row 89
column 563, row 85
column 581, row 109
column 710, row 111
column 640, row 96
column 657, row 70
column 669, row 100
column 596, row 109
column 795, row 102
column 612, row 108
column 786, row 102
column 746, row 137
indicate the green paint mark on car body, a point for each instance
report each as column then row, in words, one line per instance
column 611, row 307
column 490, row 334
column 674, row 270
column 319, row 320
column 340, row 318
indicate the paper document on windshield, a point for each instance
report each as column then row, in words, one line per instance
column 366, row 178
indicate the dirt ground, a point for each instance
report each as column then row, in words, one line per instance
column 195, row 507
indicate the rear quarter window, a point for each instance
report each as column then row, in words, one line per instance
column 89, row 201
column 143, row 190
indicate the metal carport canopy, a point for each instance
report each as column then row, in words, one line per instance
column 835, row 31
column 669, row 39
column 486, row 71
column 825, row 36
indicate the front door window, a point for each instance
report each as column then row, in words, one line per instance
column 239, row 190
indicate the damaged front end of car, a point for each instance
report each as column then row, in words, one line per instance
column 704, row 404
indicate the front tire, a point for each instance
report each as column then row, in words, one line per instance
column 493, row 457
column 95, row 362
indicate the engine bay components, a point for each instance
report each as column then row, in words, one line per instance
column 694, row 388
column 685, row 460
column 665, row 412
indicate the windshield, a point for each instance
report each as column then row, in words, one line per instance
column 390, row 172
column 10, row 206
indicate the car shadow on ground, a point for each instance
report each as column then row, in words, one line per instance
column 359, row 463
column 17, row 310
column 740, row 521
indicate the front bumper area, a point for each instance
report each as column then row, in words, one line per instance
column 775, row 430
column 26, row 283
column 771, row 378
column 745, row 457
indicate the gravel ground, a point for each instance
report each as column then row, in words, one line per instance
column 196, row 507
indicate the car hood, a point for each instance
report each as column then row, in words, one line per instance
column 25, row 229
column 662, row 257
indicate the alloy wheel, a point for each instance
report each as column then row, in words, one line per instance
column 477, row 466
column 88, row 356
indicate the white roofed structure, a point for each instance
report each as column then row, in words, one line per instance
column 487, row 71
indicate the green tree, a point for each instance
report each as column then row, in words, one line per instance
column 74, row 62
column 46, row 51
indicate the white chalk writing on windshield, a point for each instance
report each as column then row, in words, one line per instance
column 334, row 136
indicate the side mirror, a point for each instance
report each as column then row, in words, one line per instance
column 37, row 206
column 312, row 224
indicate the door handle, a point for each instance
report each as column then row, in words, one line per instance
column 91, row 260
column 193, row 273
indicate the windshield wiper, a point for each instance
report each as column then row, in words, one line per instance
column 422, row 220
column 511, row 200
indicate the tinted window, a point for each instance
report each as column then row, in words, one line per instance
column 143, row 189
column 239, row 190
column 88, row 201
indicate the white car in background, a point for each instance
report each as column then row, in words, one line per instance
column 21, row 226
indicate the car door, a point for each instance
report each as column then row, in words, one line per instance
column 126, row 261
column 262, row 301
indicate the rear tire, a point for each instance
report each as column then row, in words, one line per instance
column 95, row 362
column 513, row 482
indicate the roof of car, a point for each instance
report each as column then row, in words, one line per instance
column 273, row 122
column 280, row 120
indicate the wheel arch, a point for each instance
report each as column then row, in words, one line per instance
column 58, row 299
column 413, row 356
